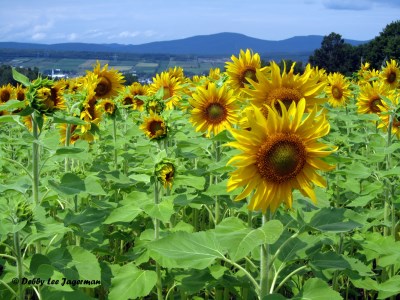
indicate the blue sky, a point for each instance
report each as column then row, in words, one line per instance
column 143, row 21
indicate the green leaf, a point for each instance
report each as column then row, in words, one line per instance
column 21, row 78
column 329, row 260
column 162, row 211
column 267, row 234
column 70, row 184
column 124, row 214
column 60, row 118
column 140, row 177
column 86, row 264
column 333, row 220
column 186, row 250
column 317, row 289
column 130, row 282
column 68, row 150
column 93, row 186
column 12, row 105
column 187, row 180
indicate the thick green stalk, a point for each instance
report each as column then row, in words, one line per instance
column 18, row 255
column 115, row 143
column 388, row 201
column 35, row 160
column 67, row 143
column 217, row 208
column 156, row 237
column 264, row 263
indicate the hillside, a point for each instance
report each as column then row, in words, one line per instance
column 214, row 44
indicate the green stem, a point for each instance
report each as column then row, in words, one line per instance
column 115, row 143
column 217, row 204
column 288, row 277
column 35, row 160
column 264, row 263
column 67, row 143
column 20, row 270
column 388, row 203
column 156, row 237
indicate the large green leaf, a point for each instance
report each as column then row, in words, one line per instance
column 130, row 282
column 329, row 260
column 124, row 214
column 85, row 262
column 187, row 250
column 188, row 180
column 333, row 220
column 70, row 184
column 162, row 211
column 317, row 289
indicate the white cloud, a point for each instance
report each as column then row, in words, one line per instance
column 38, row 36
column 126, row 34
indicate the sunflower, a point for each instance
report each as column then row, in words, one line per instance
column 279, row 154
column 387, row 110
column 165, row 172
column 214, row 109
column 241, row 68
column 108, row 106
column 286, row 87
column 154, row 127
column 171, row 86
column 177, row 72
column 6, row 93
column 214, row 74
column 138, row 89
column 338, row 89
column 370, row 97
column 390, row 74
column 110, row 81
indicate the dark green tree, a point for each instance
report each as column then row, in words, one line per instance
column 335, row 55
column 6, row 74
column 386, row 46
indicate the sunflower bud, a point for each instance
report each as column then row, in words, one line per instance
column 24, row 212
column 154, row 105
column 45, row 96
column 154, row 127
column 165, row 172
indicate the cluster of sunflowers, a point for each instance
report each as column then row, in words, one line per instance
column 275, row 116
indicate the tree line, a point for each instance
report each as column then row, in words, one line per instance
column 337, row 56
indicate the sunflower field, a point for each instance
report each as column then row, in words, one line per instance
column 254, row 182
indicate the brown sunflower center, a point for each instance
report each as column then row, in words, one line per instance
column 5, row 96
column 103, row 87
column 281, row 158
column 127, row 100
column 337, row 92
column 155, row 126
column 373, row 104
column 109, row 107
column 215, row 113
column 391, row 78
column 286, row 95
column 20, row 95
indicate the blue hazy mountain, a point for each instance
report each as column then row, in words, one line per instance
column 214, row 44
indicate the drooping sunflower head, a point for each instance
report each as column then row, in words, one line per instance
column 270, row 88
column 165, row 172
column 110, row 81
column 6, row 93
column 46, row 96
column 154, row 127
column 338, row 89
column 279, row 154
column 213, row 109
column 242, row 67
column 171, row 89
column 369, row 99
column 91, row 111
column 390, row 74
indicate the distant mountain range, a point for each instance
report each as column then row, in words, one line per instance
column 215, row 44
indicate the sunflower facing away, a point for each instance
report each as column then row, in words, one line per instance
column 239, row 69
column 214, row 109
column 338, row 89
column 286, row 87
column 165, row 172
column 394, row 97
column 279, row 154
